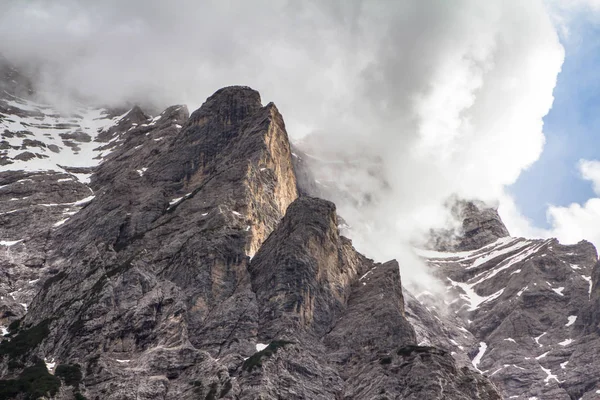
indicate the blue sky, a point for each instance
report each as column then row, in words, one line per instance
column 572, row 129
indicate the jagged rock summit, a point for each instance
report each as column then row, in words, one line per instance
column 185, row 265
column 479, row 225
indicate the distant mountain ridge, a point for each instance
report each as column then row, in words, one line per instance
column 186, row 258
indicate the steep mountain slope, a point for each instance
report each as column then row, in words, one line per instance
column 522, row 300
column 196, row 271
column 46, row 160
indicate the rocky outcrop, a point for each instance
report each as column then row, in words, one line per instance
column 481, row 225
column 478, row 224
column 335, row 322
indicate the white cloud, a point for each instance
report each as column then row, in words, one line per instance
column 576, row 222
column 518, row 225
column 590, row 170
column 444, row 112
column 566, row 13
column 426, row 98
column 569, row 224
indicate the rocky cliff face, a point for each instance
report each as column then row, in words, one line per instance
column 478, row 225
column 184, row 265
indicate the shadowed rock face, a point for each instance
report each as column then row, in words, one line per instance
column 479, row 225
column 339, row 319
column 194, row 249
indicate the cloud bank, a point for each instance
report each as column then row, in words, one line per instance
column 422, row 99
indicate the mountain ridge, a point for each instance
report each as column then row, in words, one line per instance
column 194, row 263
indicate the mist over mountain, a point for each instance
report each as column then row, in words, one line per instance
column 352, row 239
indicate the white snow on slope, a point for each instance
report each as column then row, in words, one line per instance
column 261, row 346
column 537, row 339
column 479, row 356
column 571, row 320
column 559, row 290
column 175, row 201
column 589, row 280
column 178, row 199
column 465, row 255
column 61, row 222
column 496, row 253
column 50, row 364
column 508, row 262
column 566, row 342
column 472, row 297
column 46, row 128
column 549, row 375
column 9, row 243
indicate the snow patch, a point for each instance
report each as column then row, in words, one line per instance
column 571, row 320
column 559, row 290
column 175, row 201
column 9, row 243
column 566, row 342
column 479, row 356
column 589, row 279
column 465, row 255
column 549, row 375
column 50, row 364
column 59, row 223
column 496, row 253
column 123, row 361
column 261, row 346
column 472, row 297
column 83, row 201
column 537, row 339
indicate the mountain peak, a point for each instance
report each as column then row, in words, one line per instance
column 232, row 104
column 479, row 225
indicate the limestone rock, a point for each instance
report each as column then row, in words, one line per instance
column 186, row 266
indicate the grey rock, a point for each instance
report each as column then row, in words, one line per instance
column 195, row 248
column 479, row 225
